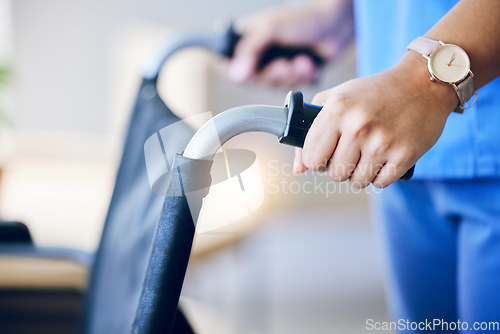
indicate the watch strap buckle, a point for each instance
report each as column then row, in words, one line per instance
column 461, row 107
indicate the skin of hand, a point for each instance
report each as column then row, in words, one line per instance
column 373, row 129
column 325, row 27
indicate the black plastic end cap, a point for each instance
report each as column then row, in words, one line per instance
column 300, row 118
column 408, row 175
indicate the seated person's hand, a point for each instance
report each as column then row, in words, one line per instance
column 326, row 28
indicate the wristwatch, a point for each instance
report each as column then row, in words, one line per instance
column 448, row 64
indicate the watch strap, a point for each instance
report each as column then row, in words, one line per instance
column 465, row 91
column 423, row 45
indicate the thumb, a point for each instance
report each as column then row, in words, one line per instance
column 247, row 55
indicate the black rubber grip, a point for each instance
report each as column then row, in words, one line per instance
column 271, row 53
column 300, row 118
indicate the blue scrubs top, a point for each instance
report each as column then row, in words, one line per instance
column 470, row 144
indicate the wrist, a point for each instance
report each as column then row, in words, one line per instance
column 441, row 97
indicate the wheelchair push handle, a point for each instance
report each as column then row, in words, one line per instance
column 300, row 118
column 271, row 53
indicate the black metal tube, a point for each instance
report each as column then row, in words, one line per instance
column 167, row 267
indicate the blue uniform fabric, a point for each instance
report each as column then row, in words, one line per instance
column 441, row 230
column 443, row 250
column 470, row 145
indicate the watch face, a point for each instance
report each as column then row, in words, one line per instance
column 449, row 63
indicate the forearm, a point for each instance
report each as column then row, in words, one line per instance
column 334, row 15
column 323, row 19
column 473, row 25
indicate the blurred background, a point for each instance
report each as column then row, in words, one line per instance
column 305, row 262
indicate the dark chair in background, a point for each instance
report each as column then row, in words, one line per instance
column 118, row 277
column 118, row 268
